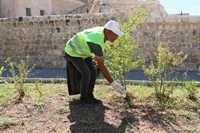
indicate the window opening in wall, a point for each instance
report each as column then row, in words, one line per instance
column 28, row 11
column 41, row 12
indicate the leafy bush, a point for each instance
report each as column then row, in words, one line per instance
column 122, row 56
column 163, row 70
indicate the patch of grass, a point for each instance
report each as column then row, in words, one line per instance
column 140, row 92
column 33, row 92
column 63, row 110
column 39, row 106
column 146, row 94
column 104, row 92
column 42, row 91
column 181, row 100
column 168, row 103
column 169, row 119
column 194, row 131
column 7, row 92
column 7, row 122
column 187, row 115
column 88, row 121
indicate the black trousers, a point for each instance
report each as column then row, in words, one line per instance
column 87, row 72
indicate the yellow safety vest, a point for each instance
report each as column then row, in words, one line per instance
column 77, row 46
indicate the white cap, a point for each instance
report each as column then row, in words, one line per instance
column 114, row 27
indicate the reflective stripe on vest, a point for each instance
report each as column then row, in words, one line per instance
column 76, row 42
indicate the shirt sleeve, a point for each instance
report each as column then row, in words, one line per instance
column 95, row 48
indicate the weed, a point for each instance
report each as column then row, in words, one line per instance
column 39, row 106
column 40, row 92
column 169, row 119
column 193, row 131
column 63, row 110
column 6, row 123
column 6, row 95
column 88, row 121
column 20, row 77
column 191, row 87
column 168, row 103
column 186, row 116
column 38, row 88
column 1, row 70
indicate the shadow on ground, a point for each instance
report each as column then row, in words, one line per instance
column 92, row 119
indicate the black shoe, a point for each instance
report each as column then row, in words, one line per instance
column 87, row 102
column 95, row 101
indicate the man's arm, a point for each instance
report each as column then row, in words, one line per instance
column 103, row 69
column 97, row 50
column 106, row 74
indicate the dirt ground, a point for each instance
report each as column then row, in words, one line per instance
column 63, row 114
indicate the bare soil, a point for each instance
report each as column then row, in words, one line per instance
column 64, row 114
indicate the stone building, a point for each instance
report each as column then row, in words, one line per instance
column 17, row 8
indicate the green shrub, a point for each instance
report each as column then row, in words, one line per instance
column 122, row 56
column 163, row 70
column 19, row 77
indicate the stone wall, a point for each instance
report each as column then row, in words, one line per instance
column 180, row 34
column 44, row 38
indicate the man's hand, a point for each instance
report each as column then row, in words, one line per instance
column 118, row 87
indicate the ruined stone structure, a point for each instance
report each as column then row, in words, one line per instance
column 152, row 6
column 43, row 38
